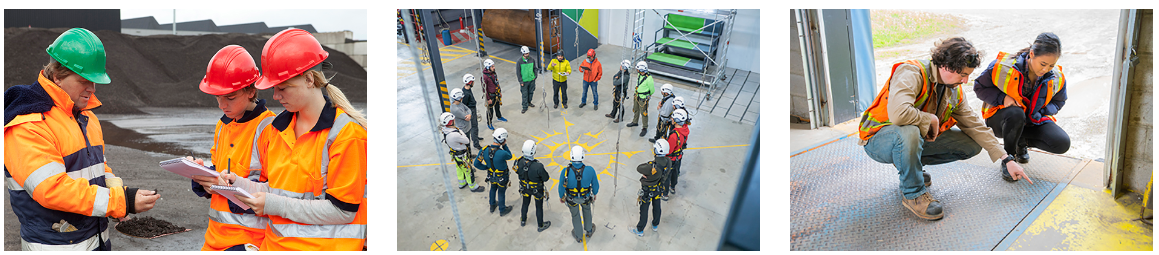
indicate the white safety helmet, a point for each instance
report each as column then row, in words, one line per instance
column 500, row 135
column 456, row 94
column 524, row 50
column 626, row 64
column 666, row 88
column 468, row 78
column 446, row 119
column 488, row 63
column 661, row 147
column 678, row 102
column 529, row 149
column 577, row 153
column 680, row 116
column 642, row 66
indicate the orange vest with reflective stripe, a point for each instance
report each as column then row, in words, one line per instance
column 877, row 116
column 1009, row 80
column 233, row 149
column 294, row 169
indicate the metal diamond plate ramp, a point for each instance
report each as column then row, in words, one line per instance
column 843, row 200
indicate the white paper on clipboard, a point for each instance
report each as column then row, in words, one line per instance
column 231, row 193
column 186, row 168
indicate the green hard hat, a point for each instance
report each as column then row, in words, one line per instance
column 82, row 52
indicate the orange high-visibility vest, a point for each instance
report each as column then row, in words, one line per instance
column 1009, row 80
column 877, row 116
column 326, row 163
column 234, row 149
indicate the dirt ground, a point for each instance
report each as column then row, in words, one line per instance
column 1087, row 38
column 139, row 169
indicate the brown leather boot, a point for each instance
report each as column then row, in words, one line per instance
column 924, row 206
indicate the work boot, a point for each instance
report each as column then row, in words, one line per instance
column 643, row 132
column 652, row 140
column 589, row 235
column 609, row 116
column 531, row 104
column 596, row 107
column 502, row 119
column 555, row 107
column 581, row 105
column 564, row 106
column 632, row 124
column 523, row 222
column 462, row 184
column 926, row 176
column 637, row 232
column 924, row 206
column 493, row 208
column 524, row 110
column 505, row 210
column 477, row 189
column 615, row 120
column 546, row 224
column 1023, row 155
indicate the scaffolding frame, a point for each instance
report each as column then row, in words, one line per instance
column 714, row 71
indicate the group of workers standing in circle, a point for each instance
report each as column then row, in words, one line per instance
column 578, row 182
column 305, row 167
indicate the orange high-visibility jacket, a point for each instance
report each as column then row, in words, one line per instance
column 326, row 163
column 877, row 116
column 55, row 170
column 1009, row 80
column 597, row 70
column 233, row 149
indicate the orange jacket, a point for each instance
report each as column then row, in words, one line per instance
column 597, row 70
column 293, row 168
column 55, row 170
column 233, row 149
column 877, row 116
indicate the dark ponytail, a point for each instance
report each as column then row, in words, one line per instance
column 1045, row 44
column 954, row 54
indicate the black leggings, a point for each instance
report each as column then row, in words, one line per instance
column 1012, row 125
column 644, row 214
column 538, row 208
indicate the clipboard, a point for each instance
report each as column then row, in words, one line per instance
column 186, row 168
column 231, row 193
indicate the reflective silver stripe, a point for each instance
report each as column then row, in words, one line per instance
column 296, row 195
column 108, row 175
column 89, row 172
column 245, row 220
column 41, row 174
column 86, row 245
column 101, row 202
column 339, row 123
column 357, row 231
column 255, row 158
column 12, row 184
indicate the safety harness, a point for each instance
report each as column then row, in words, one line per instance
column 577, row 192
column 494, row 175
column 651, row 192
column 527, row 187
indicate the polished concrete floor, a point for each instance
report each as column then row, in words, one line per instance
column 692, row 220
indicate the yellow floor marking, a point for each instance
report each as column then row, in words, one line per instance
column 440, row 245
column 1086, row 219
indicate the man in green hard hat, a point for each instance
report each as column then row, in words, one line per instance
column 58, row 182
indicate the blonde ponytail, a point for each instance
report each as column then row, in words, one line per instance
column 337, row 97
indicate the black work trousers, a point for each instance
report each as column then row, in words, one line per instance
column 560, row 87
column 1012, row 125
column 538, row 207
column 644, row 213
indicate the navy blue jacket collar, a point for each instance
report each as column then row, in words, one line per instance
column 249, row 115
column 25, row 99
column 325, row 120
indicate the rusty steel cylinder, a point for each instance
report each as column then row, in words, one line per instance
column 516, row 26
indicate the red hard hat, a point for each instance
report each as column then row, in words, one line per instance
column 591, row 52
column 231, row 69
column 288, row 54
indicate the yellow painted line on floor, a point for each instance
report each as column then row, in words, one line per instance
column 1087, row 219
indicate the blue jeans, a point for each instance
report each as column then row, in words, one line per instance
column 502, row 196
column 595, row 94
column 904, row 147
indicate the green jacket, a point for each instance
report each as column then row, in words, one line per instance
column 645, row 87
column 525, row 70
